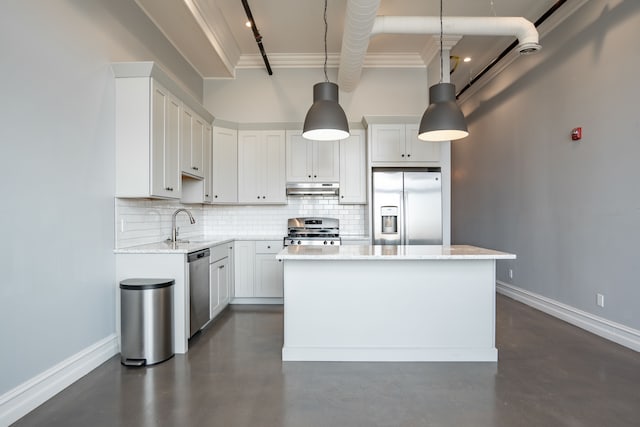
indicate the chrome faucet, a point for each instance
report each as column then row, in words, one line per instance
column 174, row 229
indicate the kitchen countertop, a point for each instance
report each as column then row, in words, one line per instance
column 193, row 244
column 389, row 253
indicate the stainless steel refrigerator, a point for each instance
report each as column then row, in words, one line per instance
column 407, row 207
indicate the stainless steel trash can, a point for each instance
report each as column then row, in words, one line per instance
column 146, row 321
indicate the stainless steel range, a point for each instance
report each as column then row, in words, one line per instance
column 313, row 231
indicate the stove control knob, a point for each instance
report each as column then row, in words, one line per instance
column 299, row 242
column 332, row 242
column 291, row 242
column 325, row 242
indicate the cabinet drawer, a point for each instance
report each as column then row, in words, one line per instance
column 219, row 251
column 268, row 246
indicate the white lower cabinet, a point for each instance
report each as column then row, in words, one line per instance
column 219, row 279
column 258, row 274
column 244, row 253
column 269, row 273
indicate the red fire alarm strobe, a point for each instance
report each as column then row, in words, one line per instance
column 576, row 134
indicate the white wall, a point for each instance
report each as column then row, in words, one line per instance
column 254, row 96
column 57, row 162
column 569, row 210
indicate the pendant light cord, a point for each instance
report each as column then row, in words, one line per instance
column 441, row 55
column 326, row 27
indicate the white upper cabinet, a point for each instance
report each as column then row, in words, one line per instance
column 207, row 162
column 398, row 144
column 311, row 161
column 353, row 172
column 261, row 167
column 147, row 139
column 161, row 129
column 224, row 185
column 192, row 143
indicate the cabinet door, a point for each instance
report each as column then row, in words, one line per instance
column 159, row 101
column 387, row 143
column 206, row 162
column 353, row 173
column 244, row 254
column 165, row 143
column 299, row 157
column 326, row 161
column 269, row 276
column 219, row 289
column 172, row 178
column 223, row 282
column 250, row 169
column 197, row 144
column 224, row 185
column 230, row 271
column 273, row 166
column 186, row 136
column 420, row 151
column 214, row 286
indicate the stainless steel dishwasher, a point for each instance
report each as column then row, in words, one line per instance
column 198, row 289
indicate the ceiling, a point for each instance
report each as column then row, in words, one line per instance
column 212, row 36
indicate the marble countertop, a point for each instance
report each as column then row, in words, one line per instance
column 380, row 252
column 191, row 244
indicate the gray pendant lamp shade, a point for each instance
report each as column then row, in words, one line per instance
column 325, row 120
column 443, row 120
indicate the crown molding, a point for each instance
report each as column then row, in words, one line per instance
column 303, row 60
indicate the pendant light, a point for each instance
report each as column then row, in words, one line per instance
column 325, row 120
column 442, row 120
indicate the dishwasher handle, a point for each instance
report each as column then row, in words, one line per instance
column 195, row 256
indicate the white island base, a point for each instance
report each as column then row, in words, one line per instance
column 401, row 303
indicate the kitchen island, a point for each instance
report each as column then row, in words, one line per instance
column 389, row 303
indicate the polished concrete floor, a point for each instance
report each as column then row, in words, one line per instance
column 549, row 374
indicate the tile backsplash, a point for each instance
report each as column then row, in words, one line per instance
column 147, row 221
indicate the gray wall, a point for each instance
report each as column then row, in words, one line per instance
column 570, row 211
column 57, row 162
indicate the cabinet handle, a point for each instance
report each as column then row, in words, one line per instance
column 258, row 197
column 264, row 197
column 315, row 176
column 408, row 155
column 206, row 195
column 216, row 196
column 342, row 197
column 169, row 188
column 194, row 168
column 309, row 176
column 402, row 155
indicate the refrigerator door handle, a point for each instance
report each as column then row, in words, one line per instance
column 405, row 218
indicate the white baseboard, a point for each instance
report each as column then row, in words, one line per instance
column 257, row 301
column 607, row 329
column 18, row 402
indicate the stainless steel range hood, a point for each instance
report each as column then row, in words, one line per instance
column 312, row 188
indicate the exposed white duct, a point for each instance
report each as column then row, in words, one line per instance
column 524, row 30
column 360, row 26
column 359, row 20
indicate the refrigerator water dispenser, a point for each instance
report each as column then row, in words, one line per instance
column 389, row 219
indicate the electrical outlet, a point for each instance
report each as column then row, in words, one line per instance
column 511, row 273
column 600, row 300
